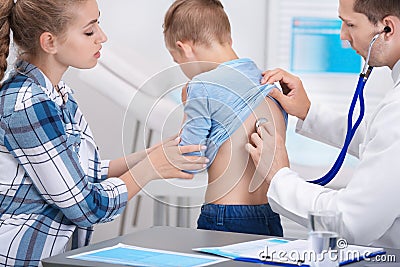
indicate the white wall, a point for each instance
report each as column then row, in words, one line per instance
column 134, row 29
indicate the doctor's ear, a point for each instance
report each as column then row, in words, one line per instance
column 391, row 24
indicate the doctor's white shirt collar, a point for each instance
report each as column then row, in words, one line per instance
column 396, row 73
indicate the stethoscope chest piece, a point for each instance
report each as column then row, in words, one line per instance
column 260, row 121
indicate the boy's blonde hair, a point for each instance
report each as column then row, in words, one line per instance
column 199, row 21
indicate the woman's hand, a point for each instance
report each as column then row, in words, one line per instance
column 163, row 142
column 263, row 143
column 294, row 98
column 121, row 165
column 184, row 93
column 166, row 161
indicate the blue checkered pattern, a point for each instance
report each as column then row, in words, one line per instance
column 53, row 184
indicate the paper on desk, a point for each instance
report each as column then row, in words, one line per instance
column 251, row 249
column 278, row 250
column 138, row 256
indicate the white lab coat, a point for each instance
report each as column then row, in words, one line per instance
column 370, row 203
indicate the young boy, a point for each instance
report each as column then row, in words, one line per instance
column 222, row 101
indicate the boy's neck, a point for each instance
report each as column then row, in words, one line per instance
column 216, row 53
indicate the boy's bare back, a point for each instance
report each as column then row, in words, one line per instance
column 232, row 171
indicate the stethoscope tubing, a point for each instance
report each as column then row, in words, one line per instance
column 351, row 130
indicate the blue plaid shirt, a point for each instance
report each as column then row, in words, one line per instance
column 53, row 184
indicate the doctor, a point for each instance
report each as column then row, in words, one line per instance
column 370, row 202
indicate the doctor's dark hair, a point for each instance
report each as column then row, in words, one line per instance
column 198, row 21
column 28, row 19
column 377, row 10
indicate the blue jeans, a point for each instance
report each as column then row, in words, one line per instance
column 249, row 219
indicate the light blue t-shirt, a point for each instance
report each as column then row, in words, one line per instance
column 219, row 101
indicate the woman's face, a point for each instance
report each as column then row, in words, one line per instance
column 81, row 44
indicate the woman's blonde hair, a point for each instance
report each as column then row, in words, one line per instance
column 28, row 19
column 199, row 21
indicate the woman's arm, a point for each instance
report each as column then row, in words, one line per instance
column 121, row 165
column 50, row 159
column 164, row 161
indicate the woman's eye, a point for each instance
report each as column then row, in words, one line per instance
column 89, row 33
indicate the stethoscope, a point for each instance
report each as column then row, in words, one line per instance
column 351, row 129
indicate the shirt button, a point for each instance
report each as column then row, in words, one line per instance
column 75, row 147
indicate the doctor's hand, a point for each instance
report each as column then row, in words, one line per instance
column 262, row 143
column 294, row 98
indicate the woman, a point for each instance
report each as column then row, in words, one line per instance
column 53, row 184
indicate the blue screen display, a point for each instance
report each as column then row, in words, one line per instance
column 317, row 48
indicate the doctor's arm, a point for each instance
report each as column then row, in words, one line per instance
column 316, row 121
column 367, row 201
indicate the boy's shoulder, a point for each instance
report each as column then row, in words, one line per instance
column 242, row 69
column 241, row 73
column 210, row 76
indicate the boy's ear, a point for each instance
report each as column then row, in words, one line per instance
column 230, row 41
column 186, row 49
column 48, row 43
